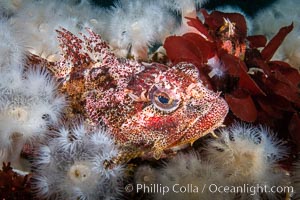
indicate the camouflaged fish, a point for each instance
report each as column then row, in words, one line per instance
column 148, row 107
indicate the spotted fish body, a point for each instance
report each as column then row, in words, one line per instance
column 148, row 107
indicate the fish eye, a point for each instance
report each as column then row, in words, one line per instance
column 164, row 99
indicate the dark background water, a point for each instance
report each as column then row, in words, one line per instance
column 250, row 7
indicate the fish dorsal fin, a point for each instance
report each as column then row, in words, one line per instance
column 81, row 50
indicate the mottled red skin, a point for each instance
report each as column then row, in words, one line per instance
column 124, row 94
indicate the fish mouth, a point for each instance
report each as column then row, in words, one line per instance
column 204, row 124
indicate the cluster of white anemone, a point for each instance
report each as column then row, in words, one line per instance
column 39, row 20
column 71, row 166
column 248, row 154
column 243, row 155
column 130, row 27
column 29, row 101
column 283, row 13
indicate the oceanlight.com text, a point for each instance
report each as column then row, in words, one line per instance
column 249, row 189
